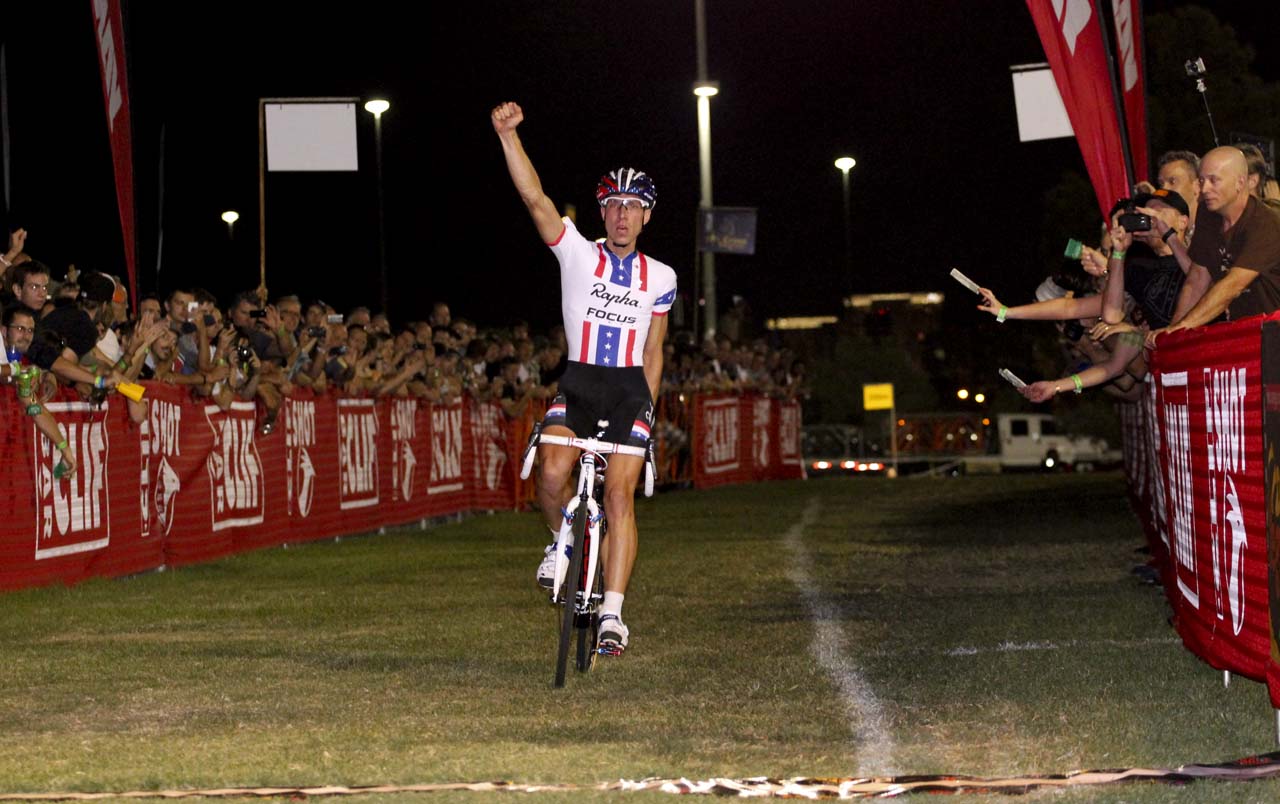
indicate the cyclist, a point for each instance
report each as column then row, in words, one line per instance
column 614, row 301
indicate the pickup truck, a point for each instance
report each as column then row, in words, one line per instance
column 1036, row 440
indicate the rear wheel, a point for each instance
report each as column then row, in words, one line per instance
column 572, row 581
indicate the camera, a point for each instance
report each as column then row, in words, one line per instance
column 244, row 352
column 1135, row 222
column 336, row 318
column 257, row 313
column 315, row 332
column 209, row 320
column 1195, row 68
column 187, row 328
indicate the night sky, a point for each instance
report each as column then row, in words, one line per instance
column 919, row 93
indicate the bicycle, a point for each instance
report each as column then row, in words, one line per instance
column 579, row 579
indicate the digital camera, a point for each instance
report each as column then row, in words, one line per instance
column 1135, row 222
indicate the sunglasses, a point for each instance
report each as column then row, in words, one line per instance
column 629, row 204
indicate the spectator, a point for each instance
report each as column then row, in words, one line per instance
column 18, row 334
column 359, row 316
column 1179, row 171
column 1236, row 246
column 30, row 285
column 1257, row 167
column 440, row 317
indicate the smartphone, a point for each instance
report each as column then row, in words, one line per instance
column 192, row 307
column 257, row 313
column 1012, row 378
column 336, row 318
column 964, row 280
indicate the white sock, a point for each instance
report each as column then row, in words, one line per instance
column 612, row 604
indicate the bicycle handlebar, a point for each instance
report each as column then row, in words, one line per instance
column 588, row 445
column 592, row 445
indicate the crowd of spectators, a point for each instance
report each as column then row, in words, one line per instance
column 1199, row 245
column 79, row 329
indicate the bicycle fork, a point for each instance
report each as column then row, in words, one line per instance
column 590, row 537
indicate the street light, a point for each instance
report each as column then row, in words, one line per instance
column 845, row 164
column 230, row 217
column 376, row 107
column 704, row 90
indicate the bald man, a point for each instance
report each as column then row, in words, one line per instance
column 1235, row 253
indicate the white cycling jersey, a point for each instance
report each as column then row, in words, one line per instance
column 608, row 302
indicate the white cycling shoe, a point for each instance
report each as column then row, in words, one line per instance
column 547, row 569
column 613, row 635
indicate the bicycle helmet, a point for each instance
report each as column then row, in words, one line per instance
column 627, row 181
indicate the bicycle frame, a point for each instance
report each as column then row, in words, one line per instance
column 591, row 450
column 575, row 578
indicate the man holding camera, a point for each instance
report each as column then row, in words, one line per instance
column 1235, row 253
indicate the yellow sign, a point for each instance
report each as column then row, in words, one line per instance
column 878, row 397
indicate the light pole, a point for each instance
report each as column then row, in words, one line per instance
column 704, row 90
column 376, row 107
column 845, row 164
column 230, row 217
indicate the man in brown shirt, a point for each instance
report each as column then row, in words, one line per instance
column 1236, row 247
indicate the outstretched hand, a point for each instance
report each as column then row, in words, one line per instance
column 1039, row 391
column 1094, row 262
column 506, row 117
column 989, row 302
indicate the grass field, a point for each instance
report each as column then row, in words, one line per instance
column 838, row 627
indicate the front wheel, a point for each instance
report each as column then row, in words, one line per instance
column 572, row 582
column 589, row 623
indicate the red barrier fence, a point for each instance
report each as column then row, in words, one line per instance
column 193, row 482
column 1199, row 473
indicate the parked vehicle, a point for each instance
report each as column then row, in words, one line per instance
column 1030, row 440
column 839, row 449
column 974, row 443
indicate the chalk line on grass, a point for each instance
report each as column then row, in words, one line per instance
column 867, row 720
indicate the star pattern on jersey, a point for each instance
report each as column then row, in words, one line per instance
column 608, row 347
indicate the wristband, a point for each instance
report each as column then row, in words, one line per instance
column 123, row 364
column 61, row 445
column 98, row 381
column 1165, row 236
column 1075, row 378
column 1000, row 316
column 34, row 409
column 1117, row 254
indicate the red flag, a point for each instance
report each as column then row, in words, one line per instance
column 1133, row 82
column 1072, row 39
column 109, row 32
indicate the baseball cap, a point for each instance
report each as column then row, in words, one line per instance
column 73, row 326
column 1166, row 197
column 97, row 287
column 1048, row 289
